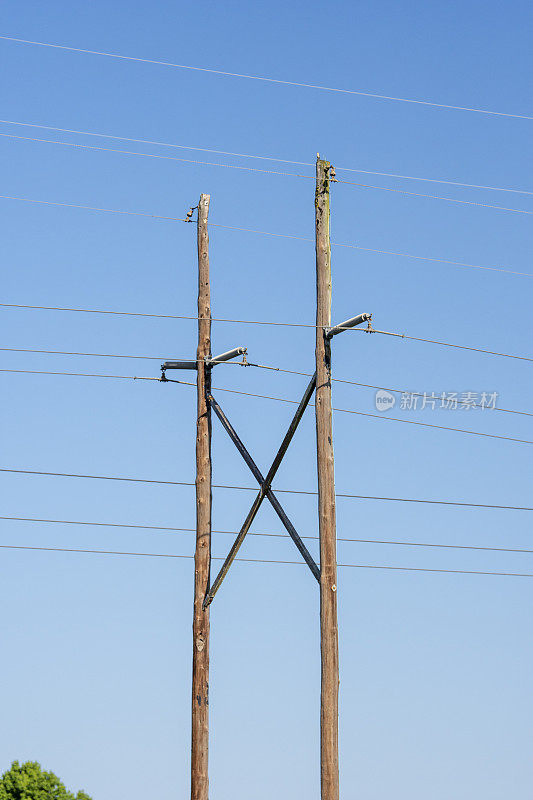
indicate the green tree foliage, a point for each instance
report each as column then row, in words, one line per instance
column 29, row 782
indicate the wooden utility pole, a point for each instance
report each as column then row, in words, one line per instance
column 202, row 558
column 329, row 644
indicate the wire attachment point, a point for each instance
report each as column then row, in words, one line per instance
column 190, row 212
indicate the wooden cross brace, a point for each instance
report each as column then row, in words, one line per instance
column 264, row 491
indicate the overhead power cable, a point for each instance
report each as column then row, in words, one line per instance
column 259, row 366
column 254, row 322
column 263, row 157
column 456, row 346
column 269, row 233
column 254, row 489
column 172, row 529
column 264, row 79
column 83, row 375
column 112, row 355
column 435, row 197
column 267, row 172
column 265, row 561
column 94, row 355
column 386, row 388
column 270, row 397
column 157, row 155
column 375, row 416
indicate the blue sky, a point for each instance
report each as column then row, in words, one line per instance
column 435, row 685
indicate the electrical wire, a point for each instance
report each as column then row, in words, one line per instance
column 270, row 397
column 263, row 157
column 263, row 79
column 83, row 375
column 114, row 355
column 433, row 197
column 267, row 172
column 265, row 561
column 259, row 366
column 386, row 388
column 379, row 416
column 179, row 146
column 254, row 489
column 255, row 322
column 421, row 394
column 456, row 346
column 172, row 529
column 165, row 158
column 448, row 262
column 95, row 355
column 93, row 208
column 270, row 233
column 158, row 316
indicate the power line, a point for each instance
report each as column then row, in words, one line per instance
column 265, row 171
column 256, row 322
column 106, row 311
column 263, row 157
column 376, row 386
column 263, row 79
column 432, row 259
column 252, row 489
column 270, row 233
column 95, row 355
column 270, row 397
column 171, row 529
column 94, row 208
column 250, row 364
column 379, row 416
column 456, row 346
column 112, row 355
column 431, row 180
column 154, row 155
column 83, row 375
column 434, row 197
column 183, row 146
column 265, row 561
column 420, row 394
column 159, row 316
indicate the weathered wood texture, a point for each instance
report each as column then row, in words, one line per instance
column 202, row 558
column 329, row 647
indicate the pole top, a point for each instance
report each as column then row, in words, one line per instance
column 322, row 162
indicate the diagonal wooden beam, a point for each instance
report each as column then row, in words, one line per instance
column 271, row 497
column 262, row 492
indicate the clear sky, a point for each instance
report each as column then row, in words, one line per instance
column 435, row 668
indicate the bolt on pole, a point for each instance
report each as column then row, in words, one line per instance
column 329, row 646
column 202, row 557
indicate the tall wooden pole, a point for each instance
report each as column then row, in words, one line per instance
column 202, row 558
column 329, row 645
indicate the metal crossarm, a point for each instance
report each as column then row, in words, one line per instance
column 271, row 497
column 265, row 486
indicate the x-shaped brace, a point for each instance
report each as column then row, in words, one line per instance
column 264, row 491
